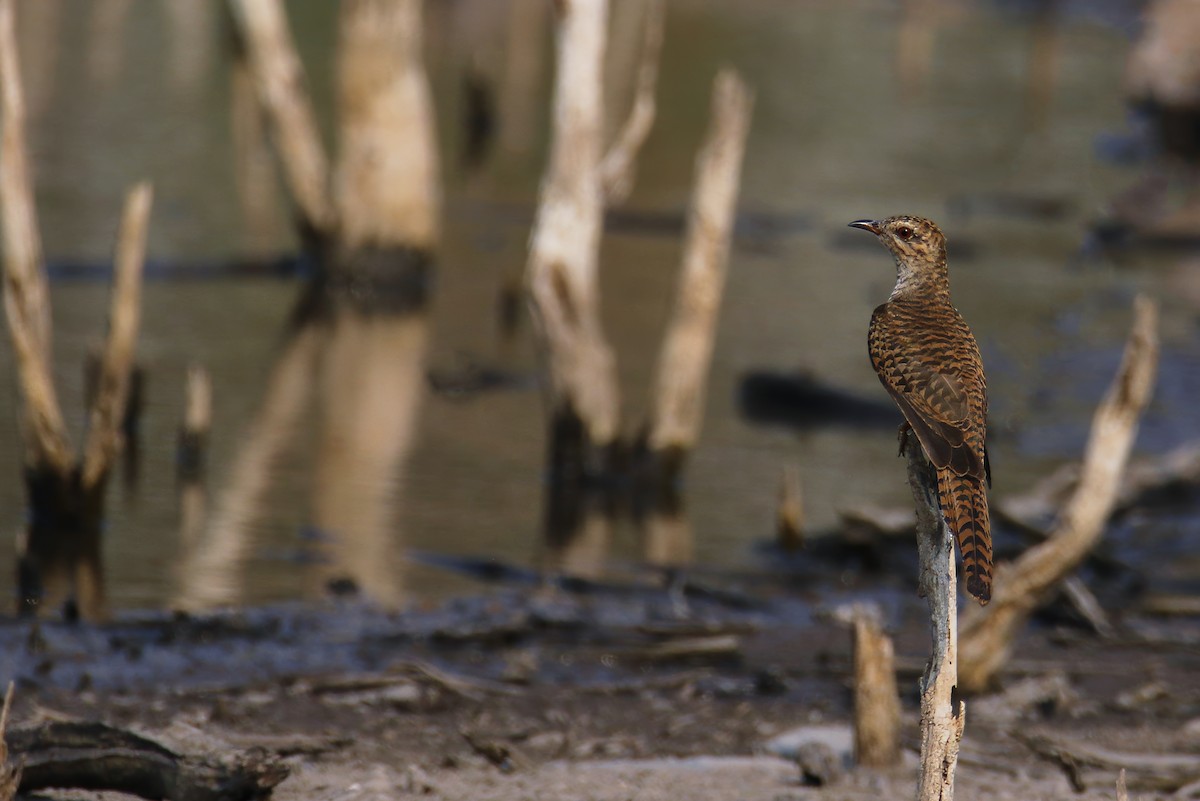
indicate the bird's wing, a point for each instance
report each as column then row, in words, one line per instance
column 935, row 404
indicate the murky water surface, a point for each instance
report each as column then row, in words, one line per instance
column 965, row 112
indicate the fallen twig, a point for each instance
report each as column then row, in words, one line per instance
column 1150, row 771
column 92, row 756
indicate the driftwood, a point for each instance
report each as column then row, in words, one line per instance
column 1020, row 587
column 943, row 716
column 92, row 756
column 876, row 699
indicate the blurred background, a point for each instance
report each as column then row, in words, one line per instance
column 1007, row 122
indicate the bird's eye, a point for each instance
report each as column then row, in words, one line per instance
column 904, row 232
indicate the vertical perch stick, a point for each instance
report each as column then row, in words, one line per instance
column 942, row 718
column 562, row 273
column 687, row 350
column 1022, row 586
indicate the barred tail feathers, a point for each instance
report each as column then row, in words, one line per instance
column 965, row 508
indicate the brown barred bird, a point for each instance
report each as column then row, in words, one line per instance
column 928, row 361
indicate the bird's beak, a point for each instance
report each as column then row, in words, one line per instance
column 868, row 225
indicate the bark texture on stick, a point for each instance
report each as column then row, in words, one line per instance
column 263, row 29
column 562, row 272
column 116, row 363
column 1022, row 586
column 386, row 183
column 687, row 350
column 26, row 297
column 942, row 717
column 876, row 698
column 618, row 169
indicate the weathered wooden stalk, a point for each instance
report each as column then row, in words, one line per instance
column 279, row 78
column 561, row 275
column 942, row 715
column 66, row 492
column 876, row 699
column 687, row 349
column 1021, row 587
column 359, row 332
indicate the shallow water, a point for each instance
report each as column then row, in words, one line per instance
column 855, row 117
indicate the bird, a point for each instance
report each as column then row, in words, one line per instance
column 928, row 361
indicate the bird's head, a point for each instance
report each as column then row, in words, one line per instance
column 911, row 240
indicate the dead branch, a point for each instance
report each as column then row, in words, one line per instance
column 687, row 349
column 386, row 182
column 876, row 699
column 93, row 756
column 263, row 28
column 26, row 297
column 116, row 365
column 1122, row 791
column 1021, row 587
column 619, row 166
column 942, row 716
column 561, row 276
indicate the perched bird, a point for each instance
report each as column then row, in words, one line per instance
column 928, row 361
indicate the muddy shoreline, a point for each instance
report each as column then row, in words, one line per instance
column 541, row 693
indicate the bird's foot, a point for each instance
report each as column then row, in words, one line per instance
column 902, row 436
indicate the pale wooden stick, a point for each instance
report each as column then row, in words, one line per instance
column 26, row 297
column 789, row 516
column 386, row 183
column 197, row 420
column 279, row 76
column 619, row 166
column 687, row 348
column 1021, row 587
column 942, row 719
column 561, row 274
column 116, row 365
column 876, row 699
column 1122, row 792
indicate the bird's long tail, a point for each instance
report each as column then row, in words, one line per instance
column 965, row 508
